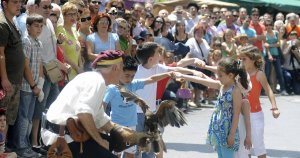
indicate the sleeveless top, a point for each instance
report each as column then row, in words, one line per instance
column 272, row 40
column 254, row 94
column 183, row 41
column 221, row 122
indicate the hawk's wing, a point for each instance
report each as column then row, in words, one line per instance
column 168, row 113
column 129, row 96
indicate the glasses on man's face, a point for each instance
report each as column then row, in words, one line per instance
column 203, row 7
column 236, row 16
column 213, row 17
column 103, row 22
column 255, row 15
column 96, row 2
column 85, row 19
column 216, row 12
column 47, row 6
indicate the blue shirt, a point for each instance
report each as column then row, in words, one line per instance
column 123, row 112
column 100, row 45
column 248, row 31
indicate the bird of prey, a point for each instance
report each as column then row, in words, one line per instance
column 167, row 114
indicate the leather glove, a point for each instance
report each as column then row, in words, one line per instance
column 123, row 138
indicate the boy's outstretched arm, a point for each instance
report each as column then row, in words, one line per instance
column 204, row 80
column 157, row 77
column 189, row 61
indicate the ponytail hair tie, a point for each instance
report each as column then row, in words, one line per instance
column 242, row 88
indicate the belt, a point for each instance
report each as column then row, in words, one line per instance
column 55, row 128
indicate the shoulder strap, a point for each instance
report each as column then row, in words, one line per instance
column 199, row 45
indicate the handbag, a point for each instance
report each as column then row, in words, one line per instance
column 183, row 92
column 53, row 72
column 60, row 148
column 77, row 131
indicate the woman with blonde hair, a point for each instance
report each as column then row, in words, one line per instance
column 71, row 46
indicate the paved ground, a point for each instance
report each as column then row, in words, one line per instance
column 282, row 135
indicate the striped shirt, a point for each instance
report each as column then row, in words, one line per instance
column 32, row 50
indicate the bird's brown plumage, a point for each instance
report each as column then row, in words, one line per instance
column 166, row 114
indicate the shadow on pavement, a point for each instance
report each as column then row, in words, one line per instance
column 203, row 148
column 283, row 153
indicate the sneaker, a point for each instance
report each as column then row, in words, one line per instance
column 27, row 153
column 284, row 93
column 39, row 149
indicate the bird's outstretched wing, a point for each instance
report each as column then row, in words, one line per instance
column 168, row 113
column 129, row 96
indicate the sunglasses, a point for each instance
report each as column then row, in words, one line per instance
column 255, row 15
column 213, row 17
column 235, row 16
column 217, row 12
column 96, row 2
column 203, row 7
column 47, row 7
column 160, row 22
column 85, row 19
column 113, row 13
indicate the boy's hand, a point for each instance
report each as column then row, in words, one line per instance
column 275, row 113
column 230, row 140
column 199, row 63
column 176, row 75
column 248, row 143
column 198, row 73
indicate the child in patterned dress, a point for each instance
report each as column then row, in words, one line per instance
column 223, row 128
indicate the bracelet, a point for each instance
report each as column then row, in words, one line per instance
column 274, row 109
column 32, row 87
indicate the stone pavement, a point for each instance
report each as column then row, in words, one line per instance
column 281, row 135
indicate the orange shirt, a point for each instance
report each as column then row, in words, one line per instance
column 254, row 94
column 259, row 31
column 289, row 29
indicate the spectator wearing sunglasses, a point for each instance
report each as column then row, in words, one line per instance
column 71, row 46
column 94, row 6
column 84, row 31
column 259, row 29
column 157, row 26
column 112, row 13
column 118, row 4
column 125, row 38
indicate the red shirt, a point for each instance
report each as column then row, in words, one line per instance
column 254, row 94
column 259, row 31
column 161, row 85
column 60, row 57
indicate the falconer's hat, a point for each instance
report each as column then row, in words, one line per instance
column 108, row 57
